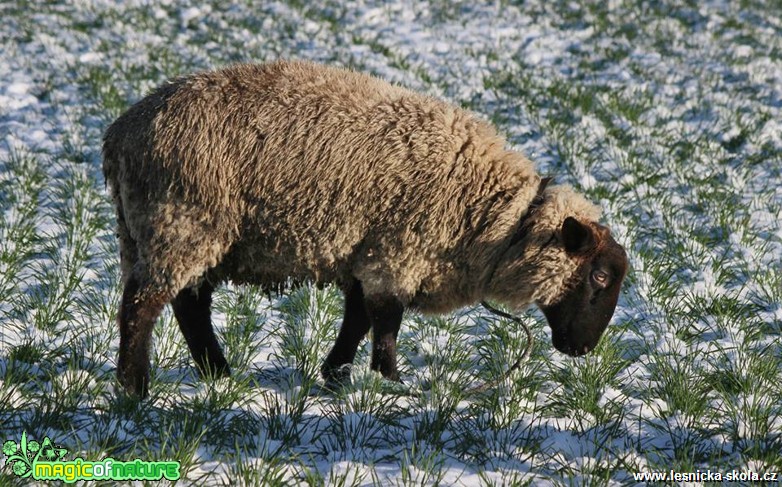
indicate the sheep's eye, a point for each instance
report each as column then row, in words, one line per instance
column 600, row 278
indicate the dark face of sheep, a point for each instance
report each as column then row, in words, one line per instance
column 579, row 318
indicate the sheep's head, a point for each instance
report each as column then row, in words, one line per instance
column 580, row 315
column 567, row 264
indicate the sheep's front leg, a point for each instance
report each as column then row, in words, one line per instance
column 191, row 308
column 355, row 326
column 385, row 314
column 140, row 306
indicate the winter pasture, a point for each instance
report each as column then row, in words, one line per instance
column 668, row 113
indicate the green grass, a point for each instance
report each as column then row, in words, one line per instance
column 663, row 113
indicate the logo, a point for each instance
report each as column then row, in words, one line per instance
column 46, row 461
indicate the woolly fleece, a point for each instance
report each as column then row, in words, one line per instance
column 294, row 171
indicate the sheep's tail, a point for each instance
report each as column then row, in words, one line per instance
column 128, row 251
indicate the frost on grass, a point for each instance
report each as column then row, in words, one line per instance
column 668, row 115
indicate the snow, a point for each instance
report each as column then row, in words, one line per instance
column 702, row 89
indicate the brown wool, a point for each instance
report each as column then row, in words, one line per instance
column 293, row 171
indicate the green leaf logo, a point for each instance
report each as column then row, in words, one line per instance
column 20, row 459
column 23, row 456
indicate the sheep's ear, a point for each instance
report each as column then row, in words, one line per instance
column 577, row 237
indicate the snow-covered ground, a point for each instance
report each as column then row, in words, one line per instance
column 669, row 116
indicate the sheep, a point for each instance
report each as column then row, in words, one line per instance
column 294, row 171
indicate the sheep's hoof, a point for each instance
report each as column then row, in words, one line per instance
column 336, row 377
column 135, row 385
column 392, row 376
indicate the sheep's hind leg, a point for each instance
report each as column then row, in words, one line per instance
column 140, row 306
column 385, row 314
column 355, row 325
column 192, row 312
